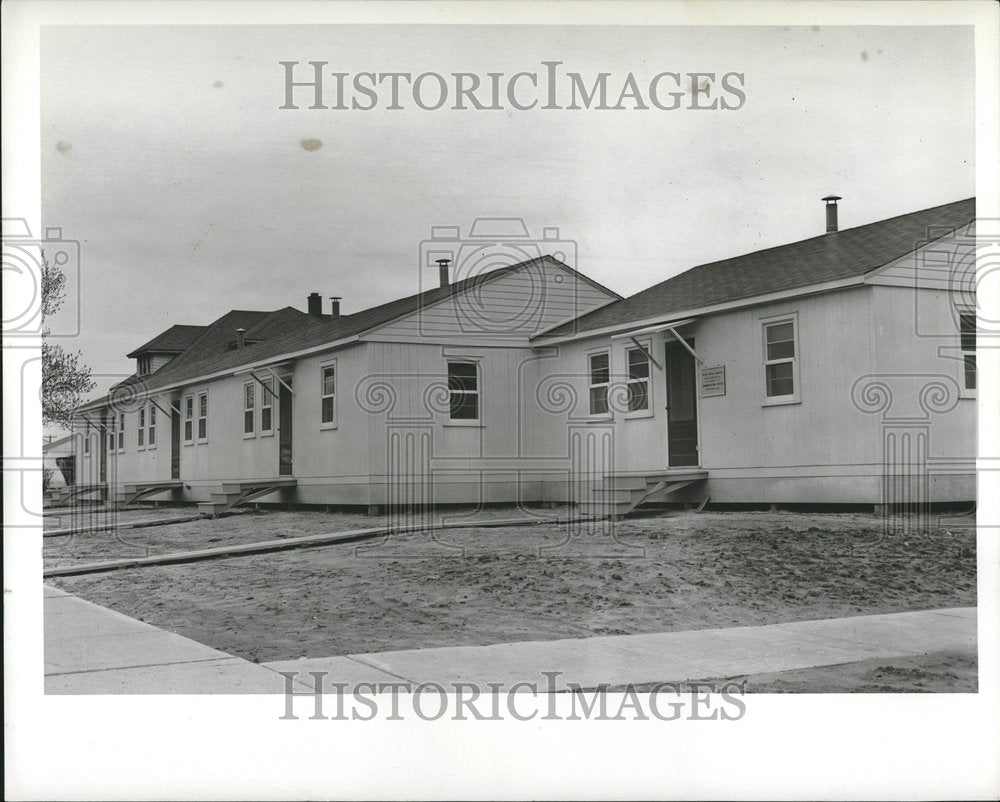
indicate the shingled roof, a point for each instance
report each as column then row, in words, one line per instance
column 210, row 353
column 174, row 340
column 839, row 255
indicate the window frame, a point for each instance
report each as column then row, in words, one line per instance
column 330, row 364
column 249, row 409
column 151, row 426
column 86, row 443
column 267, row 402
column 120, row 433
column 591, row 384
column 795, row 397
column 646, row 350
column 140, row 428
column 187, row 420
column 476, row 362
column 202, row 418
column 968, row 354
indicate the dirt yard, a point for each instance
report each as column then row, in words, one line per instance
column 671, row 571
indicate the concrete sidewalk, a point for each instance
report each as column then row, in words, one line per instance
column 91, row 649
column 668, row 656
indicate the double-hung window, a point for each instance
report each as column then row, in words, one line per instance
column 638, row 380
column 121, row 431
column 266, row 405
column 248, row 407
column 188, row 419
column 328, row 396
column 140, row 432
column 780, row 360
column 600, row 379
column 463, row 391
column 202, row 417
column 151, row 432
column 86, row 444
column 967, row 330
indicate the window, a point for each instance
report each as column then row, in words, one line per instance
column 463, row 389
column 188, row 419
column 638, row 380
column 86, row 444
column 967, row 328
column 248, row 407
column 121, row 431
column 144, row 365
column 266, row 402
column 141, row 430
column 328, row 412
column 600, row 378
column 111, row 439
column 779, row 360
column 203, row 416
column 151, row 434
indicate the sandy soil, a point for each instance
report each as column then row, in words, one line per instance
column 939, row 672
column 479, row 586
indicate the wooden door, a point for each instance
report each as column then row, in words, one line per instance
column 682, row 405
column 175, row 443
column 285, row 429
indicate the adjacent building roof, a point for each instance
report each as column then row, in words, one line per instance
column 838, row 255
column 288, row 331
column 174, row 340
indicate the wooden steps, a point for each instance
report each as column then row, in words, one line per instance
column 231, row 494
column 620, row 493
column 132, row 492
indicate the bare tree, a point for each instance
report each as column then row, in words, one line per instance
column 65, row 378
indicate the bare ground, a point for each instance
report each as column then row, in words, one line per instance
column 673, row 571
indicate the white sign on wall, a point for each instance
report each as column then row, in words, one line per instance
column 713, row 381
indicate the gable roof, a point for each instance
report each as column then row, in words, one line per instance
column 174, row 340
column 290, row 333
column 838, row 255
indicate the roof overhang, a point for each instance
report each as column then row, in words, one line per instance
column 542, row 339
column 659, row 328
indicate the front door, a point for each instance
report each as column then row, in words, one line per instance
column 102, row 454
column 682, row 406
column 285, row 429
column 175, row 443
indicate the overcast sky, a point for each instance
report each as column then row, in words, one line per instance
column 165, row 153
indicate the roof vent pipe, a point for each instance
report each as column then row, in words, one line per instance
column 831, row 213
column 241, row 338
column 314, row 304
column 443, row 271
column 335, row 306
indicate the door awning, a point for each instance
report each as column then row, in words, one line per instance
column 661, row 328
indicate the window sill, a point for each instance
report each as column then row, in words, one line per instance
column 267, row 434
column 189, row 442
column 639, row 414
column 782, row 401
column 249, row 435
column 323, row 427
column 599, row 419
column 968, row 394
column 465, row 424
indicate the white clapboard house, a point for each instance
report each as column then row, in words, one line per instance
column 835, row 370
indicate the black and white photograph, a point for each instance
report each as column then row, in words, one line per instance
column 427, row 400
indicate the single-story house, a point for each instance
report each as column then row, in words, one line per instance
column 835, row 370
